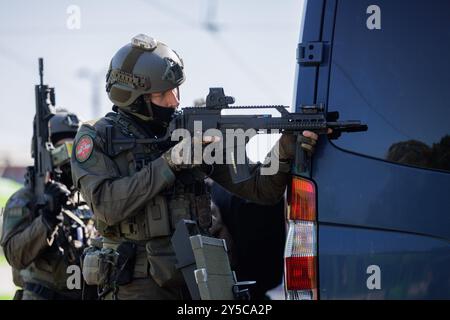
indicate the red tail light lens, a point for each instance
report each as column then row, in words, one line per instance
column 303, row 200
column 300, row 273
column 301, row 244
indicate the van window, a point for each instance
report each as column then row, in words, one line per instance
column 390, row 68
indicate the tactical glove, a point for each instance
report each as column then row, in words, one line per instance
column 57, row 195
column 182, row 155
column 287, row 145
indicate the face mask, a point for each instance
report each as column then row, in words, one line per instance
column 164, row 115
column 61, row 154
column 147, row 111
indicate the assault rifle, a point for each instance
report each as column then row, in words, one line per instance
column 42, row 146
column 46, row 159
column 312, row 118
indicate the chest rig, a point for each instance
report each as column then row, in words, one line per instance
column 187, row 198
column 49, row 268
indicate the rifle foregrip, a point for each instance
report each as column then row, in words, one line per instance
column 296, row 126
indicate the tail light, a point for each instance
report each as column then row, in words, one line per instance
column 301, row 245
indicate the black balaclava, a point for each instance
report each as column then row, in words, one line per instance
column 164, row 115
column 152, row 118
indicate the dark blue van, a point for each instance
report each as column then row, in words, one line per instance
column 370, row 218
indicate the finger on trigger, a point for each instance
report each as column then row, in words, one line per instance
column 310, row 134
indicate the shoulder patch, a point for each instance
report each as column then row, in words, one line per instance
column 84, row 148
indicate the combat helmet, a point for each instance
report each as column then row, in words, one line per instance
column 63, row 124
column 143, row 66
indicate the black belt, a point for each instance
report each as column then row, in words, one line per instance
column 46, row 293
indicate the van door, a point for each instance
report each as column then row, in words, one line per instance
column 383, row 196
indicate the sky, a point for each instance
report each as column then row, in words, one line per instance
column 249, row 49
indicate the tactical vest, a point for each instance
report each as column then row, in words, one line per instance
column 188, row 198
column 50, row 268
column 152, row 226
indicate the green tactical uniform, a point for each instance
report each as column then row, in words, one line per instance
column 35, row 263
column 32, row 245
column 135, row 196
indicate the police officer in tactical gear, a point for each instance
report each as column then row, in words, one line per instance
column 37, row 244
column 136, row 191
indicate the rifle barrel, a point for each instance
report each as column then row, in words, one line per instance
column 41, row 71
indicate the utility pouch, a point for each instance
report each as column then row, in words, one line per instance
column 125, row 263
column 98, row 265
column 157, row 216
column 162, row 260
column 152, row 222
column 91, row 266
